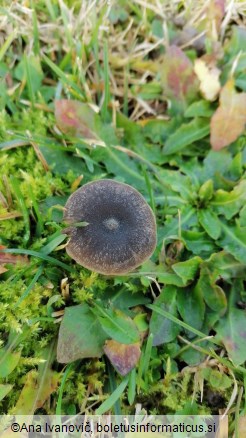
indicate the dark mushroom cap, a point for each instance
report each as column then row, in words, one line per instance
column 121, row 230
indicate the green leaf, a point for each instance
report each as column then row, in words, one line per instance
column 213, row 294
column 117, row 325
column 231, row 330
column 187, row 270
column 191, row 307
column 201, row 108
column 61, row 161
column 192, row 356
column 185, row 135
column 4, row 390
column 229, row 203
column 210, row 222
column 8, row 362
column 233, row 240
column 237, row 42
column 80, row 335
column 216, row 379
column 222, row 264
column 30, row 68
column 163, row 329
column 206, row 190
column 198, row 243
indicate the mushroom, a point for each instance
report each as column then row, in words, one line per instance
column 120, row 233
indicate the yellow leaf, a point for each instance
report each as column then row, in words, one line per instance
column 209, row 79
column 229, row 119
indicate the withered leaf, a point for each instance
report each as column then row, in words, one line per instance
column 124, row 357
column 209, row 79
column 229, row 119
column 10, row 258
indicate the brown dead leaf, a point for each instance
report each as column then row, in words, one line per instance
column 209, row 79
column 10, row 258
column 214, row 16
column 228, row 121
column 241, row 427
column 124, row 357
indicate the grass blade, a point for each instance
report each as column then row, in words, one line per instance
column 107, row 404
column 31, row 285
column 39, row 255
column 25, row 213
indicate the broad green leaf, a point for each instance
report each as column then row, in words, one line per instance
column 222, row 264
column 192, row 356
column 62, row 162
column 178, row 79
column 216, row 379
column 229, row 203
column 201, row 108
column 178, row 183
column 206, row 191
column 231, row 330
column 210, row 223
column 230, row 113
column 76, row 118
column 187, row 270
column 8, row 361
column 187, row 219
column 163, row 329
column 186, row 135
column 233, row 240
column 198, row 243
column 4, row 390
column 216, row 162
column 213, row 294
column 236, row 43
column 236, row 167
column 30, row 66
column 123, row 357
column 80, row 335
column 117, row 325
column 171, row 278
column 242, row 215
column 157, row 130
column 191, row 307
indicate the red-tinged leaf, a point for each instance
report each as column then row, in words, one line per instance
column 229, row 119
column 178, row 79
column 76, row 118
column 123, row 357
